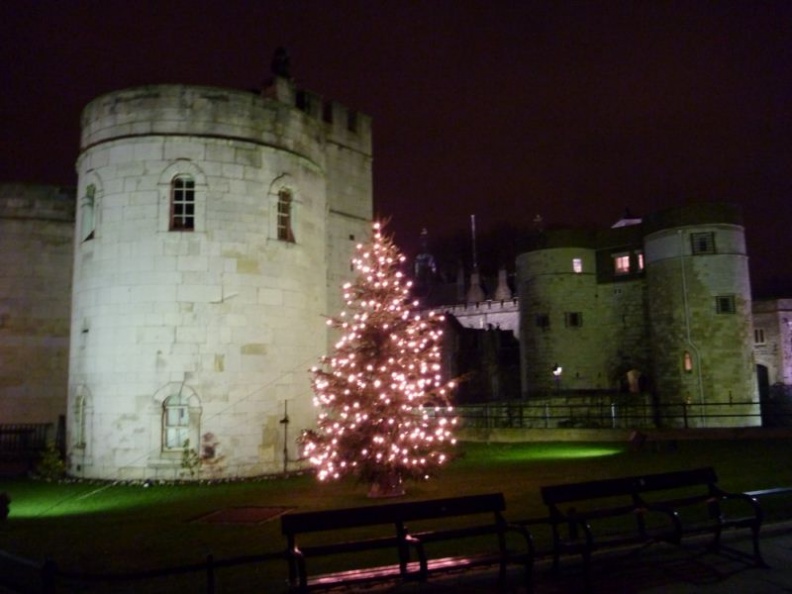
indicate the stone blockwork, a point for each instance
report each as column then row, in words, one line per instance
column 204, row 335
column 36, row 235
column 773, row 339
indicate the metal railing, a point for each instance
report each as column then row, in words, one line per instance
column 618, row 413
column 24, row 438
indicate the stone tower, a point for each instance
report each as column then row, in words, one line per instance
column 699, row 302
column 214, row 229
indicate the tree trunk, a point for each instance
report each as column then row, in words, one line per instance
column 387, row 485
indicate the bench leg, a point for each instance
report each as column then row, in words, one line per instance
column 758, row 559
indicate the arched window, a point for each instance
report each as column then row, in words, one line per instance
column 182, row 217
column 78, row 427
column 179, row 423
column 285, row 232
column 87, row 209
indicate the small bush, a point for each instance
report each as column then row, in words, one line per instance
column 51, row 466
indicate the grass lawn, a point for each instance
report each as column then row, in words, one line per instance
column 103, row 527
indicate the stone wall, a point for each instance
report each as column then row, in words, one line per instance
column 36, row 235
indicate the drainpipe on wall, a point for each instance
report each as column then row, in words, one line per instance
column 688, row 338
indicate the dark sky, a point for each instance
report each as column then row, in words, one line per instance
column 505, row 110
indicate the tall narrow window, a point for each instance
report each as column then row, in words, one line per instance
column 182, row 204
column 285, row 232
column 687, row 362
column 88, row 215
column 577, row 265
column 176, row 423
column 759, row 337
column 640, row 257
column 573, row 319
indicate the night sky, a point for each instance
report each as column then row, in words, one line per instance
column 571, row 110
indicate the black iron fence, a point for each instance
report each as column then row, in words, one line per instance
column 25, row 438
column 619, row 413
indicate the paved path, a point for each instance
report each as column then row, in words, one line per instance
column 658, row 569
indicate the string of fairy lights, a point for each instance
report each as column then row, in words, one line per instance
column 379, row 390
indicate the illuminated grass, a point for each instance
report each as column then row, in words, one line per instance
column 540, row 451
column 115, row 527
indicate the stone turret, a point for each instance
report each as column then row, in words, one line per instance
column 215, row 231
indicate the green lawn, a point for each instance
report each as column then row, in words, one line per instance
column 101, row 527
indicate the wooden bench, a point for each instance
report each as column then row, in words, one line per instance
column 407, row 555
column 595, row 515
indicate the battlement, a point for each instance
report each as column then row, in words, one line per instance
column 344, row 126
column 503, row 315
column 34, row 201
column 505, row 305
column 280, row 116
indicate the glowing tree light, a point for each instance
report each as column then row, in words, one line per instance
column 380, row 390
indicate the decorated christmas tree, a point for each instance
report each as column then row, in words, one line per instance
column 381, row 389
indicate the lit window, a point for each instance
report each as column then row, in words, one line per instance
column 639, row 256
column 702, row 243
column 621, row 263
column 724, row 304
column 88, row 216
column 759, row 337
column 182, row 204
column 688, row 362
column 285, row 232
column 577, row 265
column 573, row 319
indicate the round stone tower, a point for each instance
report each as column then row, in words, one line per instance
column 699, row 303
column 559, row 307
column 214, row 229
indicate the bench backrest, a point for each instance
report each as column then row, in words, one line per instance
column 390, row 513
column 676, row 480
column 626, row 486
column 600, row 489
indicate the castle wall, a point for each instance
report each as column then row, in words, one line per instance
column 349, row 191
column 669, row 298
column 772, row 319
column 503, row 315
column 226, row 318
column 36, row 234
